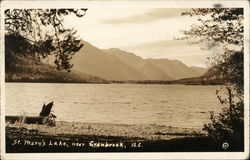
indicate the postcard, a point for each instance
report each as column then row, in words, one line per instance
column 124, row 80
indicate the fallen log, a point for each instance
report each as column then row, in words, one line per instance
column 45, row 117
column 27, row 119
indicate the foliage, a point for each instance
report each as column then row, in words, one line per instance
column 40, row 33
column 223, row 27
column 229, row 125
column 217, row 25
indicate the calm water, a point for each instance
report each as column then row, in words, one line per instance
column 174, row 105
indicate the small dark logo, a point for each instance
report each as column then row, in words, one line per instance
column 225, row 145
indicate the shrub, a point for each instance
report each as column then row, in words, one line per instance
column 228, row 126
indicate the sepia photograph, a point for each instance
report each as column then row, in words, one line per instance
column 125, row 78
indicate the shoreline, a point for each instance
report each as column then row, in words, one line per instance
column 185, row 81
column 100, row 137
column 144, row 131
column 110, row 83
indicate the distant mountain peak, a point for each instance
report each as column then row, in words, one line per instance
column 116, row 64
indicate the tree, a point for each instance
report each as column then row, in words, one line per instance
column 223, row 27
column 38, row 33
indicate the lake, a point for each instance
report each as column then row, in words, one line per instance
column 173, row 105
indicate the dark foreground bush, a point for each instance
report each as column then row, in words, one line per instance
column 228, row 127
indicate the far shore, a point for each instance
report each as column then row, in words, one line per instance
column 174, row 82
column 102, row 137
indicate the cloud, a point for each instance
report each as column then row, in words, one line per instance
column 150, row 16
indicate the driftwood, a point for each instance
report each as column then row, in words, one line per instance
column 45, row 117
column 27, row 119
column 46, row 109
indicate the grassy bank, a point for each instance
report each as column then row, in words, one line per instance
column 92, row 137
column 29, row 70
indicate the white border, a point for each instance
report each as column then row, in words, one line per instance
column 131, row 4
column 2, row 80
column 122, row 4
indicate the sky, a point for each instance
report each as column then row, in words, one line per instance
column 146, row 32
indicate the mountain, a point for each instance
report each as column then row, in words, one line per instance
column 94, row 61
column 210, row 77
column 91, row 63
column 27, row 69
column 211, row 73
column 157, row 69
column 174, row 68
column 149, row 70
column 115, row 64
column 199, row 70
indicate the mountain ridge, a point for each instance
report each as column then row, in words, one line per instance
column 157, row 69
column 93, row 60
column 92, row 64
